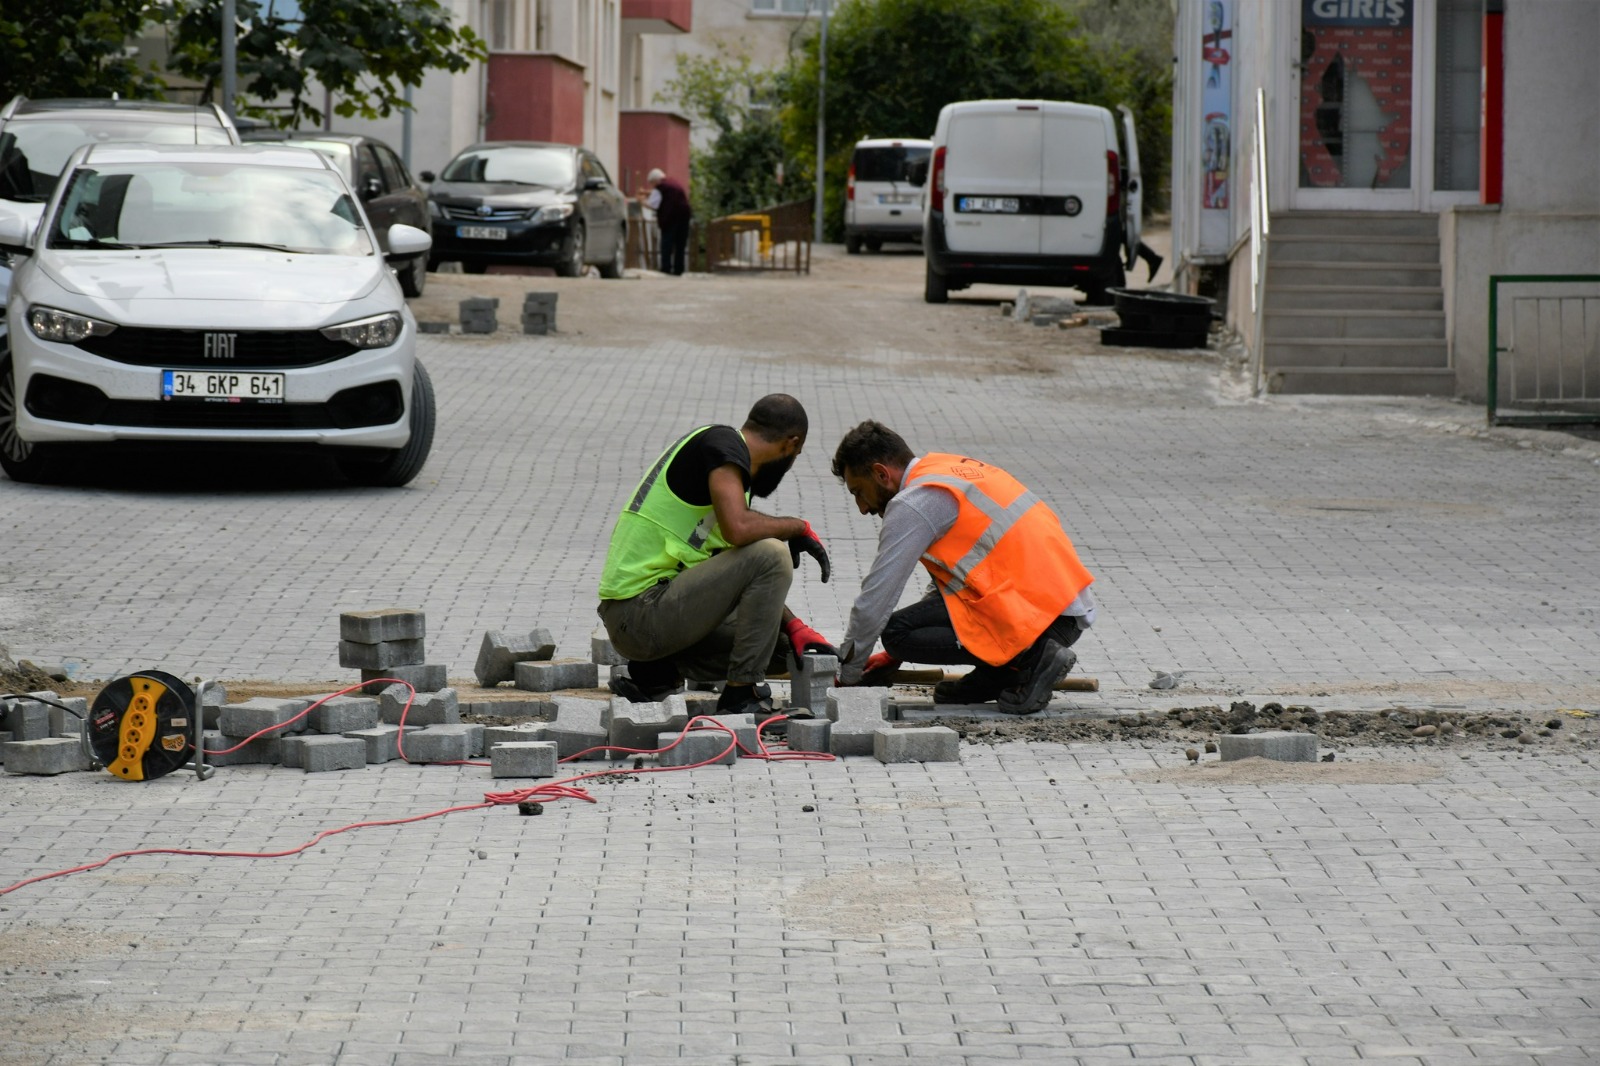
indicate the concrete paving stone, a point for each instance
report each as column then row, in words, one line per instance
column 555, row 676
column 46, row 756
column 63, row 720
column 425, row 746
column 429, row 677
column 426, row 708
column 5, row 738
column 1276, row 744
column 919, row 744
column 385, row 655
column 380, row 742
column 262, row 750
column 383, row 625
column 318, row 754
column 810, row 677
column 26, row 720
column 696, row 746
column 807, row 734
column 579, row 724
column 743, row 727
column 601, row 653
column 522, row 733
column 523, row 759
column 636, row 725
column 341, row 714
column 501, row 651
column 858, row 703
column 530, row 708
column 261, row 713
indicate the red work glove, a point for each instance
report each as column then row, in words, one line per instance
column 808, row 543
column 880, row 670
column 802, row 638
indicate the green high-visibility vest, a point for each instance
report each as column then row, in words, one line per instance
column 658, row 535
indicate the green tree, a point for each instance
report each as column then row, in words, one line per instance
column 71, row 48
column 746, row 165
column 893, row 64
column 364, row 51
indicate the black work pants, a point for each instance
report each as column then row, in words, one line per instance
column 923, row 633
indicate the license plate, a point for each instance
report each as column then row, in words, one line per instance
column 219, row 385
column 995, row 205
column 481, row 233
column 895, row 198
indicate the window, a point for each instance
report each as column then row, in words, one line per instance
column 783, row 7
column 394, row 175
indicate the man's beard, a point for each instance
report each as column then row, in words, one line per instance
column 764, row 482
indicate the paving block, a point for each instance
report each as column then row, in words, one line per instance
column 27, row 720
column 5, row 738
column 478, row 314
column 250, row 717
column 536, row 324
column 500, row 652
column 380, row 742
column 636, row 725
column 542, row 707
column 427, row 678
column 601, row 653
column 48, row 755
column 262, row 751
column 212, row 700
column 579, row 724
column 697, row 746
column 534, row 758
column 340, row 714
column 870, row 703
column 810, row 677
column 1279, row 745
column 324, row 753
column 555, row 676
column 916, row 744
column 441, row 743
column 381, row 656
column 808, row 734
column 292, row 750
column 424, row 326
column 63, row 721
column 744, row 728
column 527, row 733
column 376, row 627
column 427, row 708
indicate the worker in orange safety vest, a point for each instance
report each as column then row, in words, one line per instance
column 1009, row 595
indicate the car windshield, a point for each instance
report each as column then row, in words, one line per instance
column 339, row 153
column 225, row 205
column 33, row 153
column 888, row 163
column 518, row 165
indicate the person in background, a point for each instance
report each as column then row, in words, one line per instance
column 670, row 201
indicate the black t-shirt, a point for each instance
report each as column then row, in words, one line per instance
column 689, row 474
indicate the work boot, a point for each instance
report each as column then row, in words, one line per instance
column 647, row 682
column 745, row 699
column 1039, row 668
column 982, row 685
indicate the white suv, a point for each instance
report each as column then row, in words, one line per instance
column 883, row 201
column 207, row 295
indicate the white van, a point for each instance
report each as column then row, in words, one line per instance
column 881, row 203
column 1032, row 192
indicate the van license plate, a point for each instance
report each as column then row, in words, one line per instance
column 992, row 205
column 481, row 233
column 895, row 198
column 208, row 385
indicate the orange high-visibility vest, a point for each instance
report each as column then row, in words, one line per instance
column 1006, row 569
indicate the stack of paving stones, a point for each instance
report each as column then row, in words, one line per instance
column 539, row 313
column 39, row 738
column 860, row 722
column 478, row 314
column 386, row 646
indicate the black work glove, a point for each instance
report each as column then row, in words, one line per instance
column 808, row 543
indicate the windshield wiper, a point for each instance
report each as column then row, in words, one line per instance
column 116, row 246
column 216, row 242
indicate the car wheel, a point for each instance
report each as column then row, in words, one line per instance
column 22, row 461
column 399, row 466
column 414, row 277
column 619, row 258
column 473, row 268
column 874, row 244
column 571, row 265
column 934, row 289
column 852, row 245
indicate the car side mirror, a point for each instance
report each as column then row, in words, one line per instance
column 371, row 187
column 594, row 183
column 406, row 241
column 16, row 234
column 426, row 175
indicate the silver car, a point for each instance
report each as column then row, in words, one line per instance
column 209, row 295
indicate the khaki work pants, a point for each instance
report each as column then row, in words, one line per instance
column 716, row 621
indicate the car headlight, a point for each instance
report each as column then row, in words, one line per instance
column 552, row 213
column 380, row 331
column 63, row 326
column 435, row 209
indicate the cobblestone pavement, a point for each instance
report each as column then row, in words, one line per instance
column 1351, row 553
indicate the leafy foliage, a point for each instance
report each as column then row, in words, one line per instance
column 746, row 166
column 71, row 48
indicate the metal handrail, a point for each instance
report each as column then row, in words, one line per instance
column 1260, row 230
column 1543, row 418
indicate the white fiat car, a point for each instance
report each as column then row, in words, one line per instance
column 210, row 295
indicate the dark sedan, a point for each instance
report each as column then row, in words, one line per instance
column 382, row 181
column 530, row 204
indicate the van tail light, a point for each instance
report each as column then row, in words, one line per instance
column 938, row 179
column 1112, row 182
column 850, row 183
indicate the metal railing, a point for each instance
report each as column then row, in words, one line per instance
column 1260, row 230
column 1547, row 366
column 776, row 238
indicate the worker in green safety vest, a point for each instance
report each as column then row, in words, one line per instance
column 695, row 579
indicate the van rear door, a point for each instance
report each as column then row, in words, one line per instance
column 992, row 166
column 1074, row 180
column 1132, row 193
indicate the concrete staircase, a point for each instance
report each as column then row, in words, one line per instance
column 1354, row 305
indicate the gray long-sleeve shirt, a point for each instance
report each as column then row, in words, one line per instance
column 912, row 522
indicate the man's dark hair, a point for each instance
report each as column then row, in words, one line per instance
column 868, row 443
column 777, row 417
